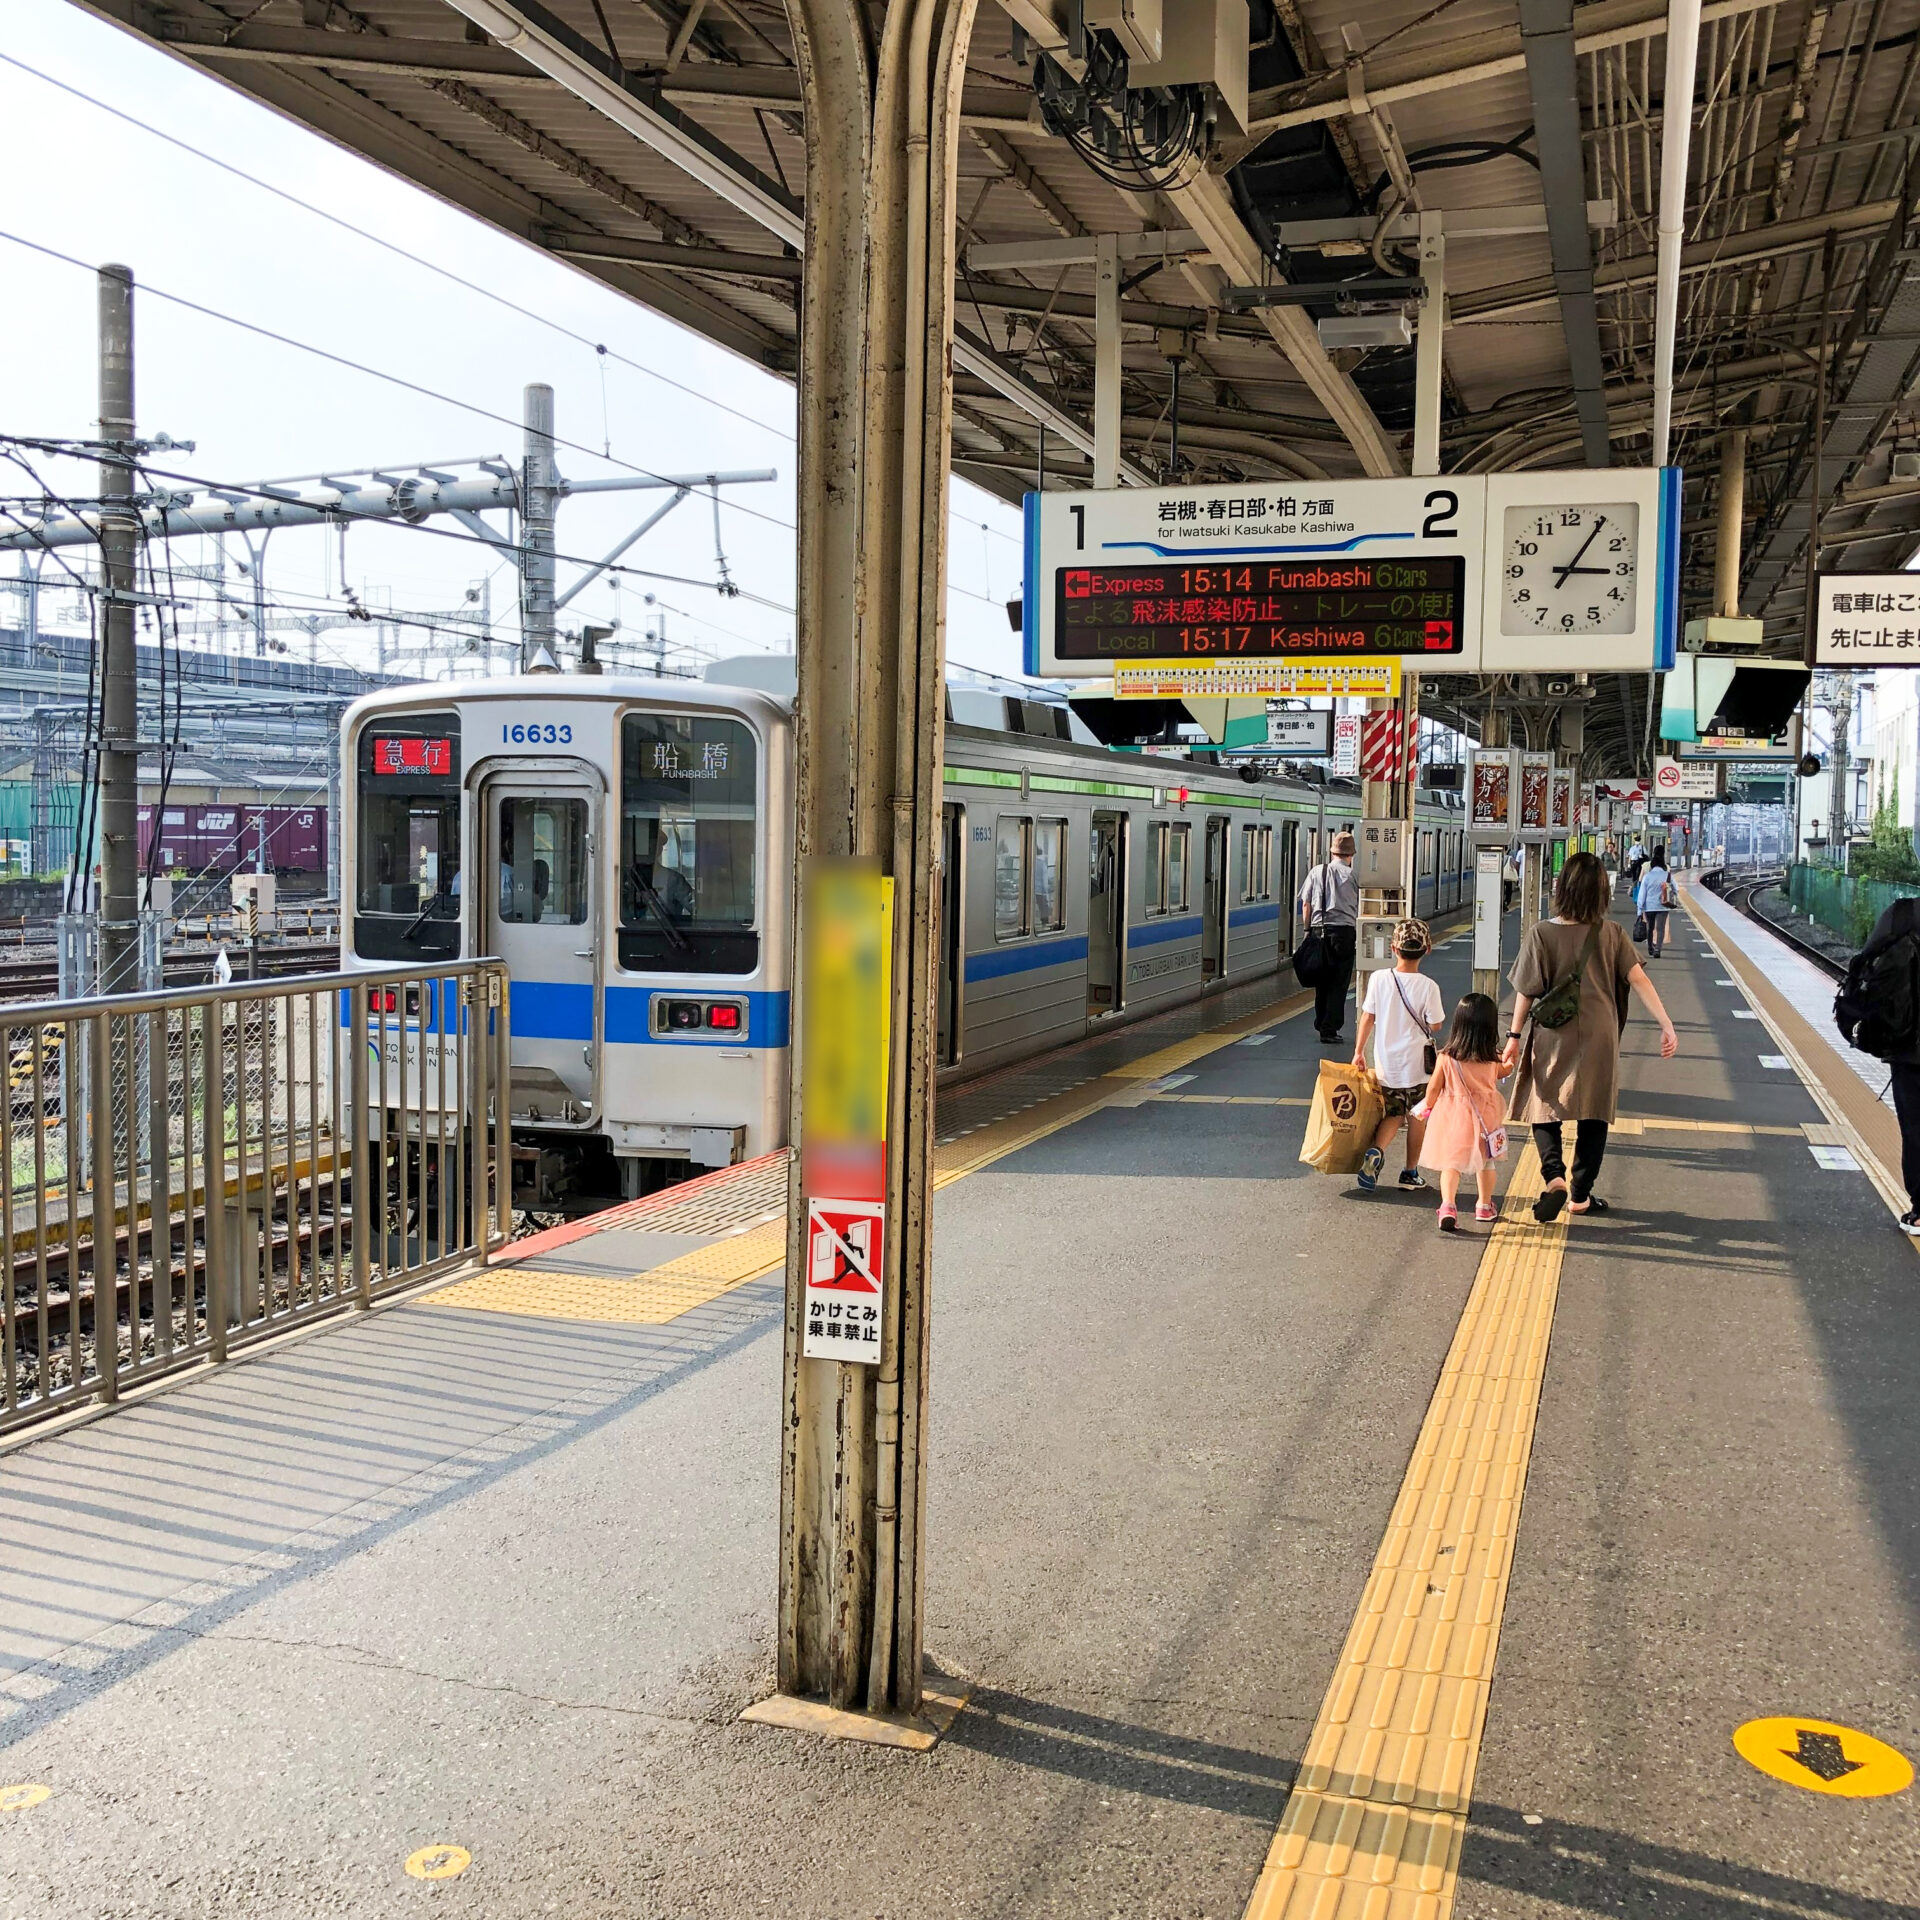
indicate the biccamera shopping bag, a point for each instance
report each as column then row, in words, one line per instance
column 1346, row 1112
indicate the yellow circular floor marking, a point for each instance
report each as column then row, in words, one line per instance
column 17, row 1799
column 439, row 1863
column 1823, row 1757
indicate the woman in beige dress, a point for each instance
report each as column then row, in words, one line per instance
column 1573, row 1072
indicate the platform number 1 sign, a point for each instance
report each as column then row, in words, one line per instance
column 845, row 1244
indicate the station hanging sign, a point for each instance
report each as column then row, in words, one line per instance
column 1536, row 788
column 1561, row 816
column 1676, row 780
column 1300, row 735
column 1346, row 746
column 1868, row 620
column 1496, row 787
column 1529, row 572
column 1249, row 680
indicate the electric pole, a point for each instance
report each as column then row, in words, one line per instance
column 119, row 710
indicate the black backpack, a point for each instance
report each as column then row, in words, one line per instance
column 1878, row 1006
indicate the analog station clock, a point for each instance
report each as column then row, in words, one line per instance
column 1570, row 569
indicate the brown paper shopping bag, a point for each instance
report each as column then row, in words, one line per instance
column 1346, row 1113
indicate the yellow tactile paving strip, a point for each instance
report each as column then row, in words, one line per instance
column 652, row 1298
column 1373, row 1828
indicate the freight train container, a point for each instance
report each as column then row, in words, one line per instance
column 231, row 835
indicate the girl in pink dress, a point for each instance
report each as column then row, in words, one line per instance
column 1466, row 1130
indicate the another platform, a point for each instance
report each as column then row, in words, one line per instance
column 480, row 1577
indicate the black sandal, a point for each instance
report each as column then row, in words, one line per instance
column 1546, row 1209
column 1591, row 1204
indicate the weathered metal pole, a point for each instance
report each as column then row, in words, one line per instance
column 119, row 715
column 882, row 132
column 540, row 501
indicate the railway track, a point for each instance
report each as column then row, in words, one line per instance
column 38, row 978
column 1739, row 893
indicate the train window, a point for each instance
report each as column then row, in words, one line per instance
column 1010, row 850
column 407, row 807
column 1178, row 877
column 689, row 820
column 1248, row 835
column 1167, row 868
column 543, row 861
column 1049, row 862
column 1263, row 865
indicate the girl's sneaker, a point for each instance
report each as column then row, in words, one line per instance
column 1486, row 1213
column 1370, row 1164
column 1449, row 1219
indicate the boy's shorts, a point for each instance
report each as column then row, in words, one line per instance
column 1401, row 1101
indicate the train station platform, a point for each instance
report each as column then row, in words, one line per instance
column 1295, row 1559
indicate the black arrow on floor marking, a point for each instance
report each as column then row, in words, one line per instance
column 1822, row 1754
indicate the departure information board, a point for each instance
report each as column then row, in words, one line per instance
column 1338, row 609
column 1259, row 584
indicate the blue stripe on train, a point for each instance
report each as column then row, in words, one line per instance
column 1251, row 916
column 998, row 962
column 550, row 1009
column 1155, row 931
column 630, row 1017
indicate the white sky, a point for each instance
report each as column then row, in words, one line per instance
column 99, row 190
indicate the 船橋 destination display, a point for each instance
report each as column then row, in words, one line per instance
column 1524, row 572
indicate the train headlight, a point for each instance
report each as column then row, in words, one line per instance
column 681, row 1016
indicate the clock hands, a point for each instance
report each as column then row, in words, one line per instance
column 1573, row 566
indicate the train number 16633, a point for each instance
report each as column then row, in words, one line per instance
column 534, row 733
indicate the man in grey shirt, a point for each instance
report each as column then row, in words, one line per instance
column 1330, row 901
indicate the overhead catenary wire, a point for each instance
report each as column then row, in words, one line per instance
column 602, row 351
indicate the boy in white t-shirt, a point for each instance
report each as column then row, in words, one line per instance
column 1403, row 1012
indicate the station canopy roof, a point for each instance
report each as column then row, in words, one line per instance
column 1358, row 114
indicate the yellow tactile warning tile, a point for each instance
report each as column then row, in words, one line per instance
column 1373, row 1828
column 652, row 1298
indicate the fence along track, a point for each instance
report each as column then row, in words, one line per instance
column 180, row 1167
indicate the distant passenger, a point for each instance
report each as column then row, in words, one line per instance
column 1654, row 897
column 1636, row 859
column 1466, row 1118
column 1330, row 903
column 1402, row 1014
column 1570, row 1003
column 1878, row 1011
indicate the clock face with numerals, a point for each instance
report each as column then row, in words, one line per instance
column 1571, row 570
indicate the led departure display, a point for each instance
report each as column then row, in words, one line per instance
column 1316, row 609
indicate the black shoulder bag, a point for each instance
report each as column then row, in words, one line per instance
column 1561, row 1002
column 1310, row 956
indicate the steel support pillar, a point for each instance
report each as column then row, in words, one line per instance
column 540, row 501
column 1106, row 360
column 119, row 716
column 882, row 126
column 1428, row 345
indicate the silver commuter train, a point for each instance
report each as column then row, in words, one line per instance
column 625, row 846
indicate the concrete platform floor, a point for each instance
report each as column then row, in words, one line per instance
column 504, row 1584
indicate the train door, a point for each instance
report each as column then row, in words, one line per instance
column 1107, row 915
column 1213, row 926
column 953, row 931
column 540, row 916
column 1292, row 878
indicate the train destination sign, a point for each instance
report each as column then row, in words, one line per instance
column 1545, row 572
column 1261, row 610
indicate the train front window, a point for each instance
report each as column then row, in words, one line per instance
column 407, row 887
column 689, row 823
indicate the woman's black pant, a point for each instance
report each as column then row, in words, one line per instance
column 1589, row 1149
